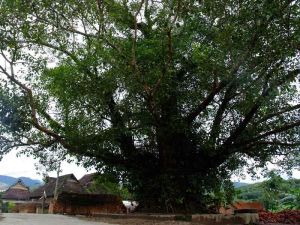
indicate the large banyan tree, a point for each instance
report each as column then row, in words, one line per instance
column 174, row 96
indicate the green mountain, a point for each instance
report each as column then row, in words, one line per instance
column 3, row 186
column 6, row 181
column 239, row 184
column 275, row 193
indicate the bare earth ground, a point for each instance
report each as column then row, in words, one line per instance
column 151, row 222
column 50, row 219
column 137, row 221
column 46, row 219
column 43, row 219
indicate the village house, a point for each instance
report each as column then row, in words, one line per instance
column 73, row 197
column 16, row 193
column 44, row 195
column 87, row 180
column 66, row 184
column 15, row 196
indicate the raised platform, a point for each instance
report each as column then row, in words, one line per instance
column 200, row 219
column 216, row 219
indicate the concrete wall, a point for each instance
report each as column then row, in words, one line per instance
column 219, row 219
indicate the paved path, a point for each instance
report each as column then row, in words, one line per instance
column 39, row 219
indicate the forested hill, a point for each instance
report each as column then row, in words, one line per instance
column 275, row 193
column 239, row 184
column 6, row 181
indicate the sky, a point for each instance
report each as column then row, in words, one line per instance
column 23, row 166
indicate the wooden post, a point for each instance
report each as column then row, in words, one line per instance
column 43, row 204
column 43, row 201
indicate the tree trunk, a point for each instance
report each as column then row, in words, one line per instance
column 56, row 183
column 170, row 187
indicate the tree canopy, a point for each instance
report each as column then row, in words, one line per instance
column 174, row 96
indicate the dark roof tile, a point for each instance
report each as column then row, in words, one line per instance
column 88, row 179
column 66, row 183
column 17, row 191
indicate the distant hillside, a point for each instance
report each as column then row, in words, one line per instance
column 3, row 186
column 239, row 184
column 6, row 181
column 276, row 194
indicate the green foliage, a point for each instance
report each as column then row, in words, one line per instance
column 173, row 96
column 249, row 192
column 294, row 199
column 275, row 193
column 11, row 206
column 108, row 184
column 13, row 117
column 272, row 188
column 7, row 207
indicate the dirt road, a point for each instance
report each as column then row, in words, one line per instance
column 39, row 219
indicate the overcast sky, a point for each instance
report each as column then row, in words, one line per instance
column 23, row 166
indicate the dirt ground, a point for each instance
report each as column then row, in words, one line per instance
column 136, row 221
column 43, row 219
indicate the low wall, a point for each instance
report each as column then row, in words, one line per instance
column 86, row 204
column 29, row 207
column 219, row 219
column 199, row 219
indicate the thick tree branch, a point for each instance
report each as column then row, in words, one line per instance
column 248, row 145
column 235, row 67
column 218, row 118
column 32, row 104
column 277, row 143
column 269, row 133
column 202, row 106
column 124, row 139
column 269, row 116
column 254, row 109
column 50, row 119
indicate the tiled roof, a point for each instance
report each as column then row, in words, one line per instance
column 66, row 183
column 16, row 194
column 17, row 191
column 87, row 179
column 87, row 182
